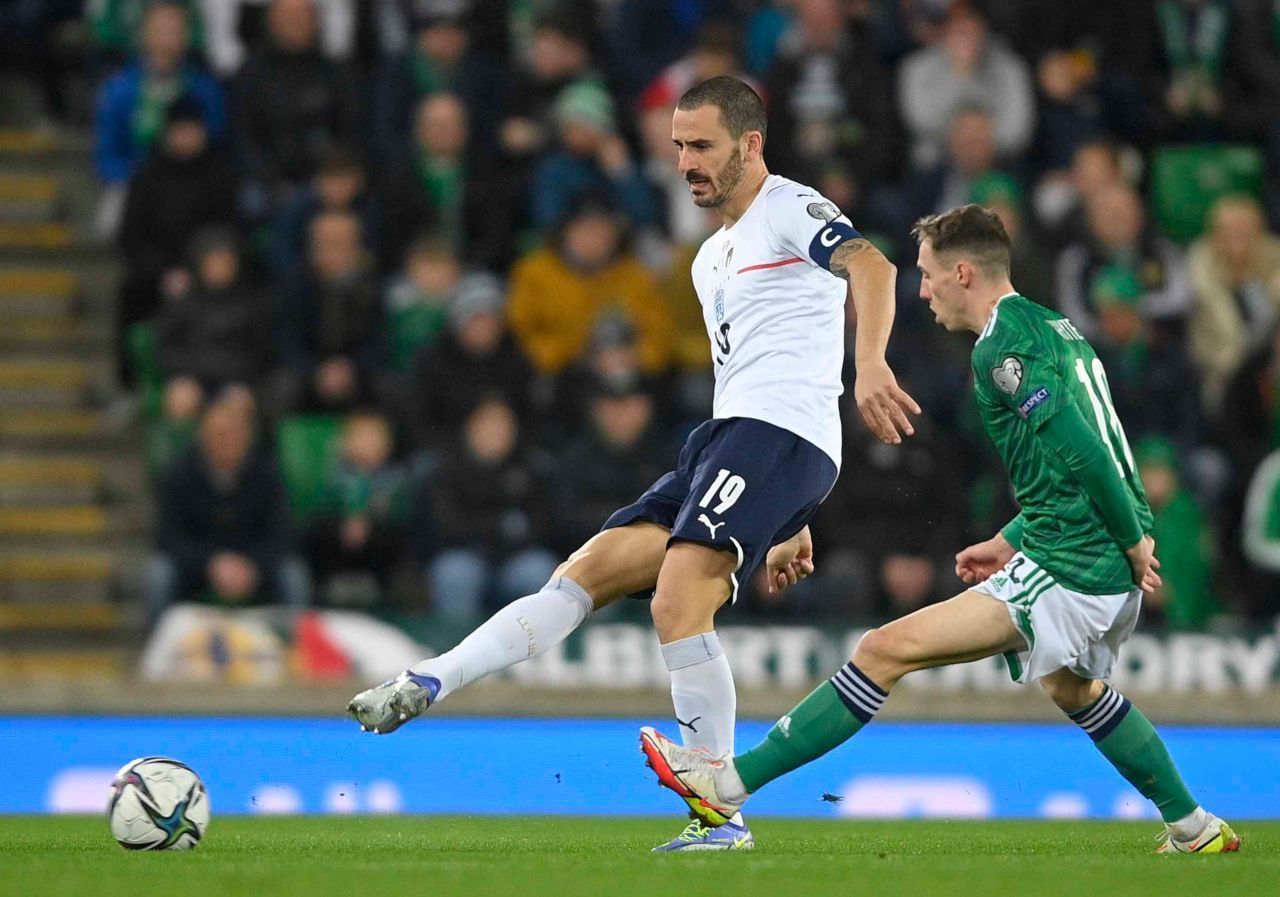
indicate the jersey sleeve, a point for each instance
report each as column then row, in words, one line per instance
column 1012, row 531
column 1082, row 450
column 807, row 225
column 1015, row 368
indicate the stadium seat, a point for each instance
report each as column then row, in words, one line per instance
column 306, row 445
column 164, row 442
column 408, row 330
column 1186, row 180
column 144, row 359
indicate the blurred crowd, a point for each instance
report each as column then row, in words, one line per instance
column 407, row 301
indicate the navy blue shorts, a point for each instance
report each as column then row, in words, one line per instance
column 741, row 485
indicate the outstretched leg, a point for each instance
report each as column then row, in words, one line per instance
column 611, row 565
column 968, row 627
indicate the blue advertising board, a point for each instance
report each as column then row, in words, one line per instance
column 593, row 767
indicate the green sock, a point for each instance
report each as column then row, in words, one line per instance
column 831, row 715
column 1127, row 739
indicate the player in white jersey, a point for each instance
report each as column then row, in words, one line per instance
column 772, row 283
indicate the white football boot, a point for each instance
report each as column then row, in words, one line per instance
column 386, row 707
column 690, row 773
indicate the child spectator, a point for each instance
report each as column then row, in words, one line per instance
column 417, row 299
column 1186, row 600
column 355, row 543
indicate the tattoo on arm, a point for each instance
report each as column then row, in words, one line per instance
column 844, row 254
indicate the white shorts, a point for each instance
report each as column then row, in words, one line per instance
column 1063, row 628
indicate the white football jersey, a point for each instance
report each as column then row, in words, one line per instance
column 775, row 314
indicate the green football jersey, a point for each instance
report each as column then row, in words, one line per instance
column 1029, row 363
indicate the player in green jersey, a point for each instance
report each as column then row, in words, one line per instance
column 1056, row 591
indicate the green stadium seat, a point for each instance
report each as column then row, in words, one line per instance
column 164, row 442
column 144, row 360
column 306, row 445
column 408, row 330
column 1187, row 180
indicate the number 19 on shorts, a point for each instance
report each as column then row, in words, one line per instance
column 727, row 487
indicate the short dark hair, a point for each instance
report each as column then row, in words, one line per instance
column 564, row 22
column 741, row 108
column 969, row 230
column 339, row 160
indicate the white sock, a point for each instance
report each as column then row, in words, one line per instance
column 730, row 786
column 1189, row 827
column 524, row 628
column 702, row 690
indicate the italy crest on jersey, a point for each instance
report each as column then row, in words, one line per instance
column 719, row 304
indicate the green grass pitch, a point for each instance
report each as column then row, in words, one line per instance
column 533, row 857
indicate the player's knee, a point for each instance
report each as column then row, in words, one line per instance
column 599, row 567
column 685, row 607
column 1072, row 693
column 877, row 648
column 668, row 615
column 581, row 568
column 678, row 616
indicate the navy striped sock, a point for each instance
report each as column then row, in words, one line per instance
column 862, row 696
column 1101, row 717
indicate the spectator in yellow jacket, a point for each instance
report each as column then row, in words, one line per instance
column 560, row 292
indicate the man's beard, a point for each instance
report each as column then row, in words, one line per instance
column 730, row 177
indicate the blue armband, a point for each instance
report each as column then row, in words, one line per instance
column 826, row 240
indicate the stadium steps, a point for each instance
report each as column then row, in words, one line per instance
column 64, row 575
column 57, row 665
column 40, row 282
column 60, row 333
column 35, row 235
column 55, row 567
column 43, row 373
column 43, row 310
column 99, row 522
column 26, row 480
column 43, row 382
column 46, row 617
column 40, row 428
column 29, row 197
column 29, row 143
column 74, row 502
column 67, row 521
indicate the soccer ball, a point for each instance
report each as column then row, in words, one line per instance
column 158, row 804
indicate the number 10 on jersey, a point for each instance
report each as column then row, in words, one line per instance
column 1104, row 412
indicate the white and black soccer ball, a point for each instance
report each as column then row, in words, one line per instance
column 158, row 804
